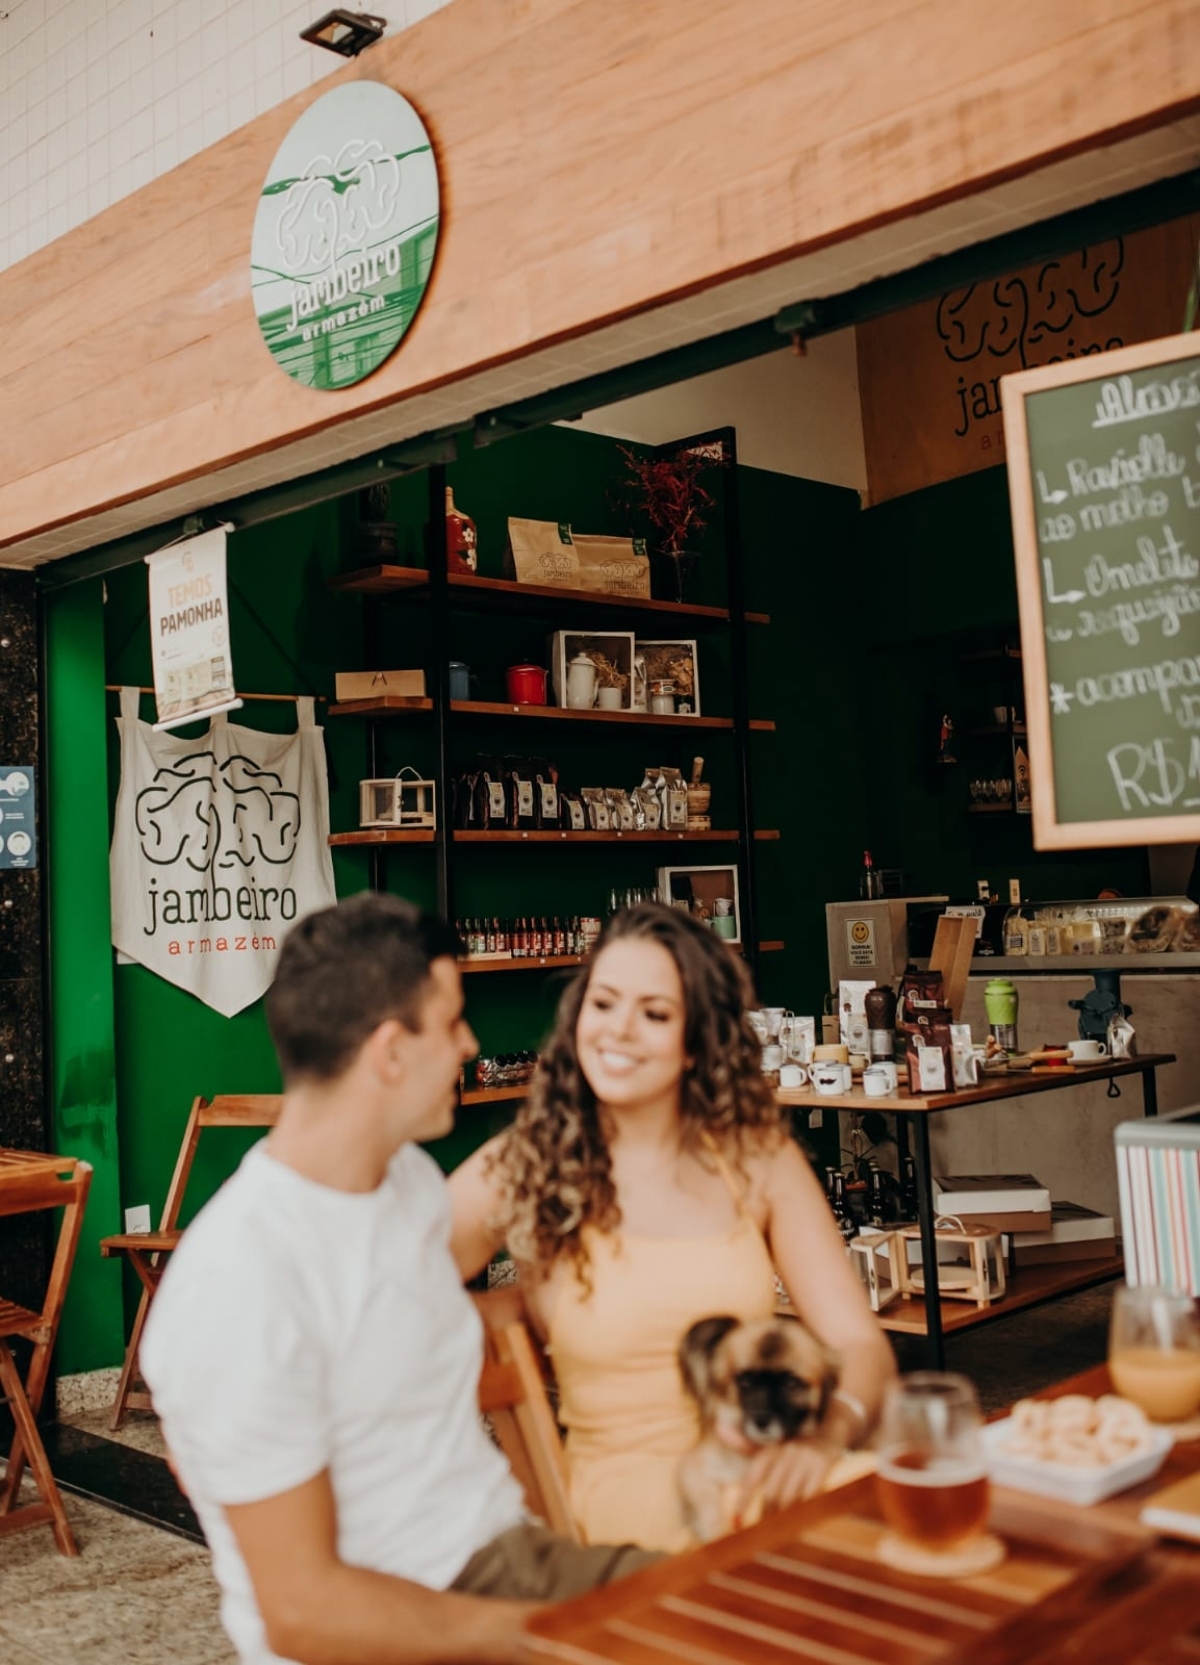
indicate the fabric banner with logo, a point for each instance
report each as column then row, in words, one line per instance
column 189, row 630
column 219, row 845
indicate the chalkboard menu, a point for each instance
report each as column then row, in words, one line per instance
column 1104, row 480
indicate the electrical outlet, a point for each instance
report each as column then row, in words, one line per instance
column 137, row 1219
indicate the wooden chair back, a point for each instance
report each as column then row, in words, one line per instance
column 147, row 1251
column 66, row 1189
column 512, row 1394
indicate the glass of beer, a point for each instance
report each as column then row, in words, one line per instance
column 1154, row 1351
column 932, row 1477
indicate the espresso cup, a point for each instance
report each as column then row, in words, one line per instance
column 1082, row 1051
column 792, row 1075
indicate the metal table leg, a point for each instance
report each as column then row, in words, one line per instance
column 1149, row 1091
column 935, row 1350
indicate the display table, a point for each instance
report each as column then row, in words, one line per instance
column 931, row 1316
column 1081, row 1584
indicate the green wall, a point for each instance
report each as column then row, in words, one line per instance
column 870, row 613
column 83, row 1085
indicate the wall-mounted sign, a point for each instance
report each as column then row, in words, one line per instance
column 929, row 377
column 1104, row 478
column 345, row 234
column 18, row 827
column 189, row 630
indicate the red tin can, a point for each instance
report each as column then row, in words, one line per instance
column 526, row 684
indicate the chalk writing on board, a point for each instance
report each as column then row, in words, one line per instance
column 1120, row 401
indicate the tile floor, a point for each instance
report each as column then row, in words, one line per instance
column 142, row 1595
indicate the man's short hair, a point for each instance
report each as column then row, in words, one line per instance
column 345, row 970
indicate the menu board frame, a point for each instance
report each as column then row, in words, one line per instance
column 1049, row 831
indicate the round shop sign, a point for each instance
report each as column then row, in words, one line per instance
column 345, row 234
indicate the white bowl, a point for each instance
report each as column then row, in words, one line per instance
column 1063, row 1480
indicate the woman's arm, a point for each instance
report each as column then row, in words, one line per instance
column 475, row 1203
column 811, row 1259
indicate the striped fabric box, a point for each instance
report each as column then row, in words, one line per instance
column 1158, row 1175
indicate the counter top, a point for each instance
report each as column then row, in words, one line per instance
column 1079, row 965
column 1010, row 1084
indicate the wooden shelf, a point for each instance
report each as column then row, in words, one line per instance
column 382, row 706
column 470, row 589
column 493, row 1095
column 393, row 705
column 983, row 655
column 543, row 835
column 1029, row 1287
column 991, row 809
column 384, row 835
column 532, row 962
column 771, row 947
column 985, row 730
column 380, row 580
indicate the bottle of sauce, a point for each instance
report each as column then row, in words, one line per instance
column 462, row 550
column 841, row 1209
column 868, row 884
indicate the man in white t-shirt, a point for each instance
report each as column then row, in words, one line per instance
column 313, row 1356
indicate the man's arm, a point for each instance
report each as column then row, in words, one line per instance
column 319, row 1611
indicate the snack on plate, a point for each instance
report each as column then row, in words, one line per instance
column 1078, row 1431
column 1153, row 931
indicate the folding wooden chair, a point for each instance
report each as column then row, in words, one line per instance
column 68, row 1190
column 147, row 1251
column 512, row 1394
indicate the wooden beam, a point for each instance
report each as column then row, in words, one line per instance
column 598, row 158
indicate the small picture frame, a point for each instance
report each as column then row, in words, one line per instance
column 611, row 653
column 709, row 894
column 668, row 661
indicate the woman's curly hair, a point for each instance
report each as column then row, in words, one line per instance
column 554, row 1165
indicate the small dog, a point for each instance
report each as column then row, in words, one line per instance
column 756, row 1384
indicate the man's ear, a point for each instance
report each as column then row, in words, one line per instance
column 386, row 1051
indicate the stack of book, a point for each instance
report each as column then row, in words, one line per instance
column 1076, row 1233
column 1019, row 1206
column 1006, row 1202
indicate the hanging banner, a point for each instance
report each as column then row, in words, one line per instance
column 929, row 377
column 189, row 630
column 219, row 845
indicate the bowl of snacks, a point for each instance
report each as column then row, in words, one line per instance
column 1077, row 1449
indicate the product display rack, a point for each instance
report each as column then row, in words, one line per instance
column 442, row 595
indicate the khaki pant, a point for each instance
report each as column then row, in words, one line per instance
column 529, row 1563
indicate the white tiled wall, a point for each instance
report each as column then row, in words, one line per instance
column 97, row 97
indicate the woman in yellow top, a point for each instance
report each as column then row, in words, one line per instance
column 648, row 1182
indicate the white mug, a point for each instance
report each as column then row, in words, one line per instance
column 831, row 1078
column 876, row 1083
column 792, row 1075
column 1081, row 1051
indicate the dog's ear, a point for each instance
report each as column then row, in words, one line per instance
column 696, row 1352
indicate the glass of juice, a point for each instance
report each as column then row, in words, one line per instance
column 1154, row 1350
column 932, row 1478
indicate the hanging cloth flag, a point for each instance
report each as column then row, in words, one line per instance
column 189, row 630
column 219, row 845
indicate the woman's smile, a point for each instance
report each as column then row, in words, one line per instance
column 630, row 1032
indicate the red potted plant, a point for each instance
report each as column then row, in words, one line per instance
column 667, row 489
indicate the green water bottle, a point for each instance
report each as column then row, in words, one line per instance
column 1000, row 1002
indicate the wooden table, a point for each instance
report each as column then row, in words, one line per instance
column 932, row 1317
column 1084, row 1585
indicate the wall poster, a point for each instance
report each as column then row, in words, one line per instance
column 929, row 376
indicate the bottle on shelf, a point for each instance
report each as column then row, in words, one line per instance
column 908, row 1189
column 841, row 1209
column 876, row 1199
column 490, row 944
column 868, row 884
column 520, row 940
column 462, row 544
